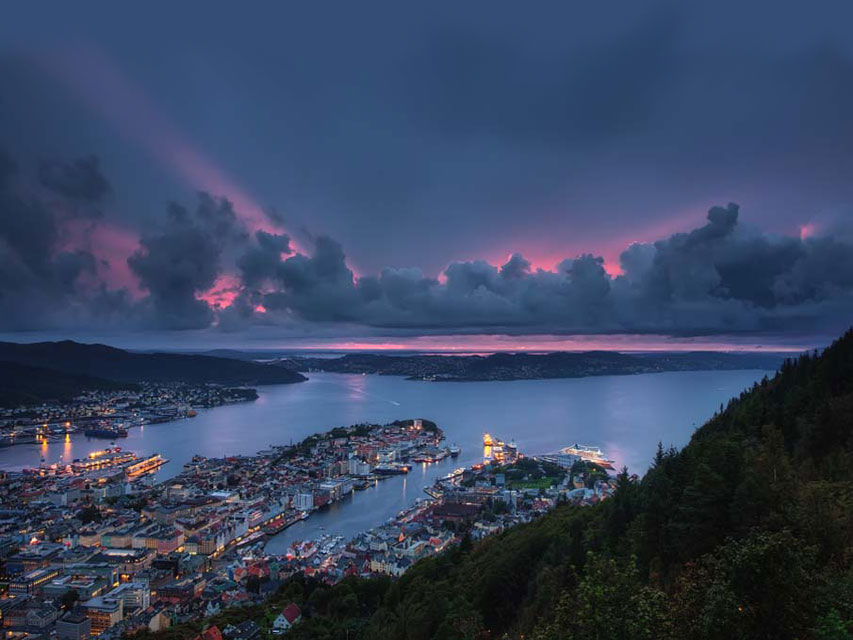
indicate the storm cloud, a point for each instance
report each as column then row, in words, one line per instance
column 720, row 277
column 39, row 278
column 452, row 134
column 183, row 260
column 438, row 170
column 79, row 180
column 201, row 268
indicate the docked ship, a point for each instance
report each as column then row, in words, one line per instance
column 497, row 450
column 146, row 465
column 489, row 441
column 282, row 522
column 453, row 475
column 391, row 468
column 252, row 537
column 103, row 460
column 108, row 433
column 588, row 454
column 431, row 455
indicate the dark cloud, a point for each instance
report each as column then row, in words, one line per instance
column 319, row 287
column 38, row 280
column 432, row 138
column 720, row 277
column 183, row 260
column 466, row 133
column 80, row 180
column 201, row 268
column 261, row 262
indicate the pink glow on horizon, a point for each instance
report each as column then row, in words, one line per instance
column 462, row 344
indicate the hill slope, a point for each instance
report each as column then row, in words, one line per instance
column 116, row 364
column 745, row 533
column 22, row 384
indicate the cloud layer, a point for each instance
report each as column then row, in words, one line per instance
column 202, row 268
column 462, row 131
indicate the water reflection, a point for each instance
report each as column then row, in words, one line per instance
column 625, row 415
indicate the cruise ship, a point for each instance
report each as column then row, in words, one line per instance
column 146, row 465
column 103, row 459
column 588, row 454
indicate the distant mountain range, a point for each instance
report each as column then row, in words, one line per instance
column 57, row 370
column 527, row 366
column 60, row 370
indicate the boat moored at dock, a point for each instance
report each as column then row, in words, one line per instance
column 595, row 455
column 391, row 469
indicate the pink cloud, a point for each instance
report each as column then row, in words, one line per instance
column 110, row 244
column 223, row 292
column 547, row 254
column 808, row 230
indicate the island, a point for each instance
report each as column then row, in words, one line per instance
column 530, row 366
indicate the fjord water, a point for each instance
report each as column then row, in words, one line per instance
column 625, row 415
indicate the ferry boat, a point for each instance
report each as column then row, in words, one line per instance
column 455, row 451
column 589, row 454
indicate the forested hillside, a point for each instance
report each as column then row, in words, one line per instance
column 745, row 533
column 21, row 384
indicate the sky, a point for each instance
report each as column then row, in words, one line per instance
column 378, row 175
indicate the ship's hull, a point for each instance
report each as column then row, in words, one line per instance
column 106, row 434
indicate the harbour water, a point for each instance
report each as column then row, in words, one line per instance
column 624, row 415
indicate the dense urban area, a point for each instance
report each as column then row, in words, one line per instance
column 95, row 547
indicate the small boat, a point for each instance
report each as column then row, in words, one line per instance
column 455, row 451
